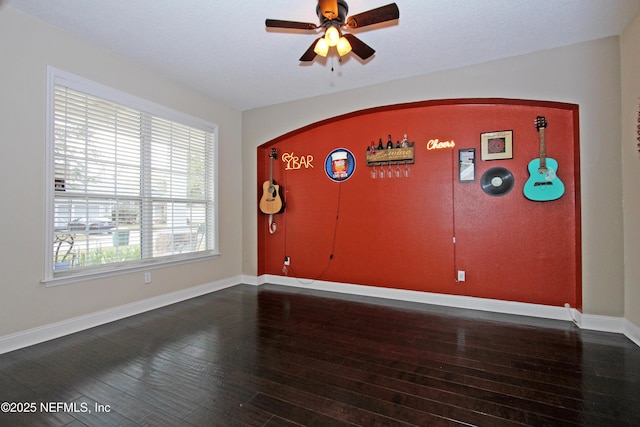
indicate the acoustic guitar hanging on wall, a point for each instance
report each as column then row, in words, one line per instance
column 543, row 184
column 271, row 202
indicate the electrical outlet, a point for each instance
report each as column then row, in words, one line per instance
column 461, row 276
column 147, row 277
column 287, row 260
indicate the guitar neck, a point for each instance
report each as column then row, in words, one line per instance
column 543, row 149
column 271, row 170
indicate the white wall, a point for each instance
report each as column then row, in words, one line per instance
column 630, row 53
column 27, row 46
column 587, row 74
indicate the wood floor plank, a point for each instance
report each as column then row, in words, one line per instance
column 465, row 394
column 440, row 376
column 282, row 356
column 322, row 404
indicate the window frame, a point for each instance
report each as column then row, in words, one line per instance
column 52, row 277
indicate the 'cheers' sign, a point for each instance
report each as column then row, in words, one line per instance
column 436, row 144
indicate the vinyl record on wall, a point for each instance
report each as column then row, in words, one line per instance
column 497, row 181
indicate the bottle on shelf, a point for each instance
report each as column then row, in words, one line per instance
column 371, row 149
column 389, row 142
column 380, row 146
column 405, row 142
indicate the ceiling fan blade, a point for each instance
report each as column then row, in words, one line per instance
column 359, row 47
column 277, row 23
column 328, row 8
column 310, row 54
column 374, row 16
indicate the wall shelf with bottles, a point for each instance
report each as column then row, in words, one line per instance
column 402, row 155
column 401, row 152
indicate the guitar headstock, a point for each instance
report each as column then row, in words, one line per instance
column 274, row 153
column 541, row 122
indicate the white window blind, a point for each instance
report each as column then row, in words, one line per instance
column 129, row 187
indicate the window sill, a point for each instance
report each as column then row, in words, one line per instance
column 68, row 276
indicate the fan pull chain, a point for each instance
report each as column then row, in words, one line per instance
column 339, row 60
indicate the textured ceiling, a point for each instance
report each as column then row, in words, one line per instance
column 222, row 48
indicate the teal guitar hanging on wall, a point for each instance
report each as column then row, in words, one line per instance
column 543, row 184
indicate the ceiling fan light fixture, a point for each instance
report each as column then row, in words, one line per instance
column 333, row 17
column 322, row 47
column 343, row 46
column 332, row 36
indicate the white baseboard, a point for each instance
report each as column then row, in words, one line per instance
column 55, row 330
column 632, row 332
column 602, row 323
column 472, row 303
column 251, row 280
column 584, row 321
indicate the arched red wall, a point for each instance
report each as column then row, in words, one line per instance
column 399, row 232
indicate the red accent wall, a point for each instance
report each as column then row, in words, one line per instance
column 398, row 232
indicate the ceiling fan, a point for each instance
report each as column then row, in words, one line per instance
column 333, row 17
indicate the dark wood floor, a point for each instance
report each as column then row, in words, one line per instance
column 277, row 356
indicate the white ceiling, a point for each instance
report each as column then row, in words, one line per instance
column 222, row 48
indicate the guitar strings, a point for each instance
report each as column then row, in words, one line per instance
column 638, row 131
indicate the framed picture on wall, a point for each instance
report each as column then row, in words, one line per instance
column 467, row 164
column 496, row 145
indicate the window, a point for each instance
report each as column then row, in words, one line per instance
column 130, row 183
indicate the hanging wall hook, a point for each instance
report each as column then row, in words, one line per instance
column 272, row 224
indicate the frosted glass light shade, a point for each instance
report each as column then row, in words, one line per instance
column 322, row 47
column 332, row 35
column 343, row 47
